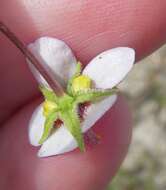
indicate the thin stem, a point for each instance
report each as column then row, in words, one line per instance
column 56, row 87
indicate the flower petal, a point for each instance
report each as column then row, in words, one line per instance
column 59, row 142
column 36, row 126
column 96, row 111
column 110, row 67
column 62, row 141
column 56, row 57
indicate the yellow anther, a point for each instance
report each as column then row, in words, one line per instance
column 48, row 106
column 81, row 82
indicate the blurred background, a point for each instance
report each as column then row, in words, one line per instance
column 145, row 89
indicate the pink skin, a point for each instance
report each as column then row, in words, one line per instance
column 88, row 28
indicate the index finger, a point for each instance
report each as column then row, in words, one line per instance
column 87, row 27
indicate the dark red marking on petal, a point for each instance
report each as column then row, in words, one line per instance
column 82, row 109
column 58, row 123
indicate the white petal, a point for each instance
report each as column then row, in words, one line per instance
column 110, row 67
column 96, row 111
column 36, row 126
column 59, row 142
column 56, row 56
column 62, row 141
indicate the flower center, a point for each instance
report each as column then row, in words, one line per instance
column 65, row 102
column 81, row 113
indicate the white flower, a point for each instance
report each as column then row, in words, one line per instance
column 106, row 70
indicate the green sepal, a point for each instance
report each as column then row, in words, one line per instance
column 93, row 95
column 72, row 123
column 65, row 102
column 48, row 94
column 48, row 126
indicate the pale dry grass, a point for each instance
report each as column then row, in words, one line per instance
column 145, row 88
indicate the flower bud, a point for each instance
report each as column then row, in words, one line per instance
column 81, row 83
column 48, row 106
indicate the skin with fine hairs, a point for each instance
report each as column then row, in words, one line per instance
column 89, row 28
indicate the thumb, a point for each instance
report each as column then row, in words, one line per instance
column 88, row 27
column 90, row 170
